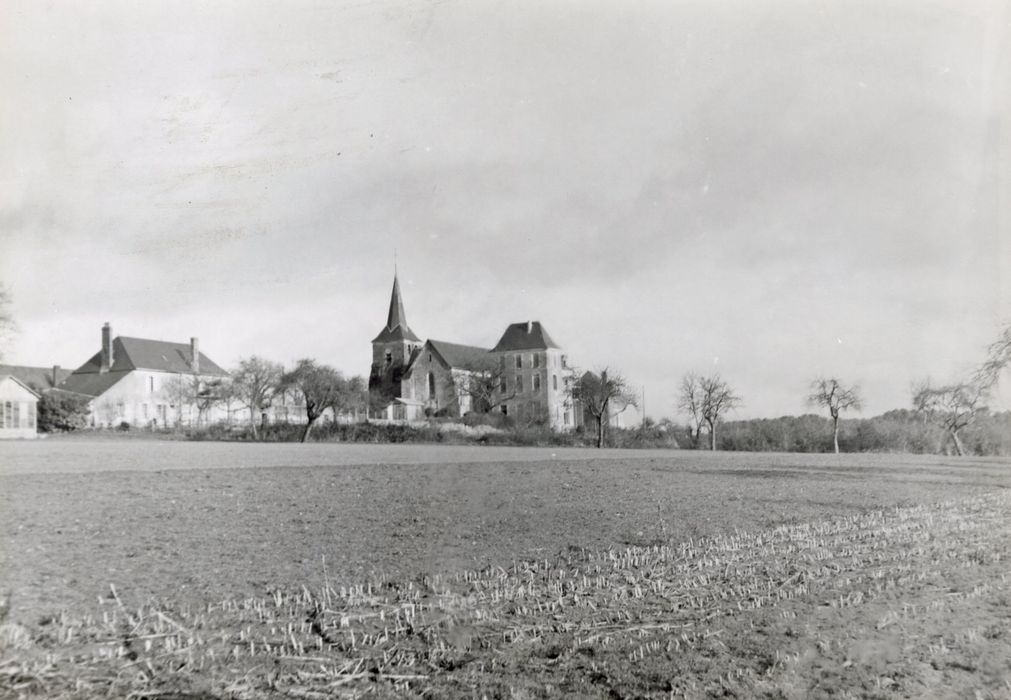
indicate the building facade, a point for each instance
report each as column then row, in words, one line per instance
column 18, row 409
column 522, row 376
column 149, row 383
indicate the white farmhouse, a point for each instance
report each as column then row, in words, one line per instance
column 147, row 382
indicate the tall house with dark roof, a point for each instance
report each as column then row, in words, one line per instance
column 534, row 369
column 523, row 376
column 147, row 382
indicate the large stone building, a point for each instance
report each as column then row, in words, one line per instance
column 147, row 382
column 523, row 375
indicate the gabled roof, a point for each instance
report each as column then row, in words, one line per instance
column 396, row 320
column 456, row 356
column 529, row 335
column 5, row 377
column 398, row 333
column 92, row 383
column 39, row 377
column 158, row 355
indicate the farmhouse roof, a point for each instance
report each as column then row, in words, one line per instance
column 137, row 353
column 528, row 335
column 92, row 383
column 458, row 356
column 396, row 321
column 39, row 377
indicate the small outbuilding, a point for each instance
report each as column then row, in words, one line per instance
column 18, row 409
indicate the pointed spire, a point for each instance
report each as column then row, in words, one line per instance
column 397, row 317
column 396, row 321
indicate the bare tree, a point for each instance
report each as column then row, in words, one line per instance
column 177, row 391
column 320, row 387
column 228, row 397
column 255, row 383
column 717, row 398
column 206, row 395
column 8, row 327
column 952, row 407
column 998, row 356
column 191, row 391
column 690, row 403
column 486, row 385
column 602, row 396
column 351, row 397
column 831, row 394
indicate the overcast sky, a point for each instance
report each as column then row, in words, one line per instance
column 770, row 189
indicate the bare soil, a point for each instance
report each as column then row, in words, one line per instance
column 248, row 522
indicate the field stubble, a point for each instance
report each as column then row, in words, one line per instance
column 752, row 575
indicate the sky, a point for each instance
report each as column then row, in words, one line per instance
column 774, row 190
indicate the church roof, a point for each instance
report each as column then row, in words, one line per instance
column 396, row 321
column 529, row 335
column 458, row 356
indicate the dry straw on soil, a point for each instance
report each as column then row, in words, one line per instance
column 882, row 603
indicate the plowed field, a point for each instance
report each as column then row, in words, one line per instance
column 508, row 571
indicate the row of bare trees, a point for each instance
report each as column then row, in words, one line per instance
column 256, row 383
column 954, row 406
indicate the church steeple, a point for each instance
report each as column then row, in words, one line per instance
column 397, row 316
column 396, row 321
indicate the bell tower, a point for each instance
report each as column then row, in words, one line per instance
column 391, row 353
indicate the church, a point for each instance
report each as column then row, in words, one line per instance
column 523, row 376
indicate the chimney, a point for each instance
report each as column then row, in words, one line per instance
column 56, row 375
column 107, row 358
column 530, row 327
column 195, row 355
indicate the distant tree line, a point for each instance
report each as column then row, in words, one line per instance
column 949, row 417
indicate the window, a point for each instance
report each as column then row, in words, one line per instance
column 150, row 384
column 121, row 409
column 565, row 361
column 429, row 357
column 431, row 385
column 519, row 384
column 3, row 413
column 31, row 415
column 505, row 410
column 537, row 360
column 144, row 410
column 389, row 357
column 502, row 385
column 554, row 382
column 17, row 415
column 566, row 418
column 501, row 362
column 519, row 362
column 537, row 381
